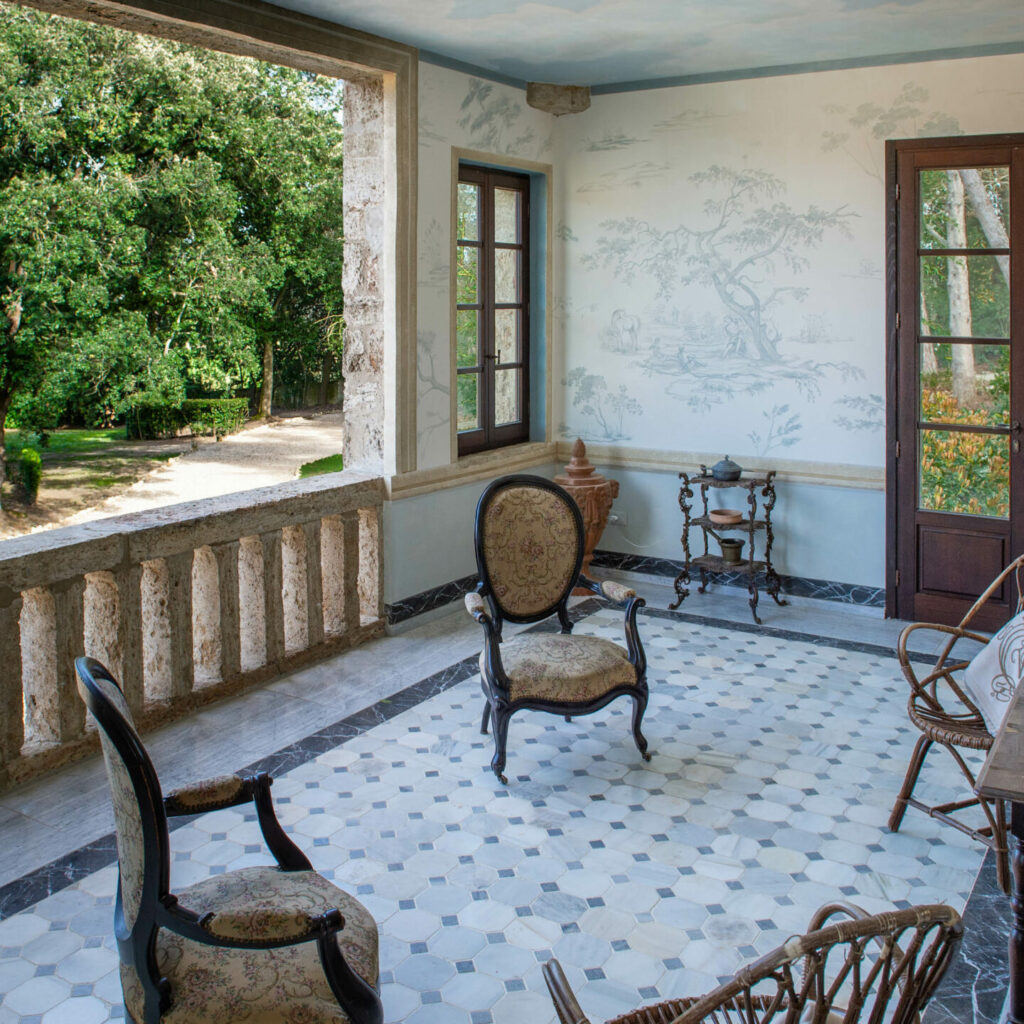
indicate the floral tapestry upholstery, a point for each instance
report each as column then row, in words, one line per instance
column 207, row 795
column 530, row 545
column 260, row 903
column 131, row 850
column 564, row 668
column 212, row 985
column 617, row 592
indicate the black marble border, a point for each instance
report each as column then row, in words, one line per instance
column 975, row 987
column 794, row 586
column 36, row 885
column 428, row 600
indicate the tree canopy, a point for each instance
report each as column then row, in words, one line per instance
column 171, row 216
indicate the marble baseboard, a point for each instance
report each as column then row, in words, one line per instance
column 428, row 600
column 974, row 989
column 792, row 586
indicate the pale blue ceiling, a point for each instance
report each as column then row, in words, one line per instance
column 602, row 42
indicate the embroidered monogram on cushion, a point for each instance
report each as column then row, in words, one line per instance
column 995, row 671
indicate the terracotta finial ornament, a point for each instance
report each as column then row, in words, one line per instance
column 594, row 495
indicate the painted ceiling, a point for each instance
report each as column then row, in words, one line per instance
column 600, row 42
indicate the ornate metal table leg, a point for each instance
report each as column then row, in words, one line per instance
column 752, row 590
column 703, row 588
column 1016, row 943
column 773, row 585
column 681, row 591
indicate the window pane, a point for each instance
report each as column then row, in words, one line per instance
column 467, row 337
column 965, row 296
column 506, row 215
column 467, row 272
column 468, row 391
column 469, row 212
column 967, row 473
column 965, row 383
column 965, row 209
column 506, row 397
column 506, row 335
column 506, row 275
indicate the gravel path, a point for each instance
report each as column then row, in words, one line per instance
column 259, row 457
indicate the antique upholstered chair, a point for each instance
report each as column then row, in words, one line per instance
column 529, row 550
column 863, row 968
column 943, row 709
column 253, row 945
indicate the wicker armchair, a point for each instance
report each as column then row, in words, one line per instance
column 256, row 944
column 946, row 715
column 851, row 971
column 529, row 551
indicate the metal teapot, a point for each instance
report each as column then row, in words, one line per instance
column 726, row 469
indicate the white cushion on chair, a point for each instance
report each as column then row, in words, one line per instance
column 994, row 672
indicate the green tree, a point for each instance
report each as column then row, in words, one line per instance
column 170, row 217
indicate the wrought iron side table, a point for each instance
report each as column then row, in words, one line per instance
column 752, row 525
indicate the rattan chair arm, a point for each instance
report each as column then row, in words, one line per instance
column 925, row 688
column 566, row 1006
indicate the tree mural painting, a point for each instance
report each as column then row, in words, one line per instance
column 749, row 233
column 782, row 429
column 605, row 409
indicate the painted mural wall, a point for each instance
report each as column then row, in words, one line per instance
column 469, row 113
column 724, row 281
column 718, row 286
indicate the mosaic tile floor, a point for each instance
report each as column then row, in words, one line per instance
column 775, row 763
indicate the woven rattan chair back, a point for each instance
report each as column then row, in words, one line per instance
column 865, row 969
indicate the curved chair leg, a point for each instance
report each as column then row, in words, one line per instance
column 486, row 717
column 899, row 808
column 501, row 718
column 639, row 707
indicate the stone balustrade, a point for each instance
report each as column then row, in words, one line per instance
column 183, row 604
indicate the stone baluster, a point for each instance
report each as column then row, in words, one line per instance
column 314, row 584
column 179, row 612
column 272, row 596
column 12, row 720
column 350, row 569
column 367, row 569
column 230, row 621
column 129, row 628
column 69, row 627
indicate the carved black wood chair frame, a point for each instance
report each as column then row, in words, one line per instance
column 485, row 606
column 159, row 907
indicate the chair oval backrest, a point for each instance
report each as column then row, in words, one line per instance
column 134, row 789
column 529, row 545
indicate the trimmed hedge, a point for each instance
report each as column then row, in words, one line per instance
column 31, row 473
column 198, row 416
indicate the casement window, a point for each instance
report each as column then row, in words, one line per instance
column 492, row 258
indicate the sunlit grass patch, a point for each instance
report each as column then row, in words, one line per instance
column 328, row 464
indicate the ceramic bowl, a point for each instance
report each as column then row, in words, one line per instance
column 726, row 516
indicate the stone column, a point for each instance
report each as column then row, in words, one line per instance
column 364, row 273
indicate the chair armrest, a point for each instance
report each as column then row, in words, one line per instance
column 476, row 607
column 262, row 927
column 618, row 593
column 566, row 1006
column 208, row 795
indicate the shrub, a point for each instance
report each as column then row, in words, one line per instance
column 31, row 473
column 148, row 420
column 200, row 416
column 215, row 416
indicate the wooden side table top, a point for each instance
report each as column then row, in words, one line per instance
column 1002, row 776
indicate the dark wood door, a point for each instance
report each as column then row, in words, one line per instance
column 955, row 469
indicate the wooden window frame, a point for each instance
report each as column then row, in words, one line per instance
column 489, row 435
